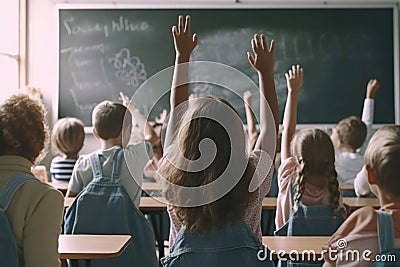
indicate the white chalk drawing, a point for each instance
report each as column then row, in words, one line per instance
column 128, row 68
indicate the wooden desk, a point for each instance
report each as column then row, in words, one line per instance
column 61, row 186
column 90, row 247
column 269, row 203
column 152, row 204
column 68, row 201
column 146, row 203
column 346, row 187
column 283, row 245
column 151, row 187
column 359, row 202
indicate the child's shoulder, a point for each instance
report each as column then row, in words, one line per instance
column 287, row 168
column 361, row 221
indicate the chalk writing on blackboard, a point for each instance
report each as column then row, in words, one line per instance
column 128, row 68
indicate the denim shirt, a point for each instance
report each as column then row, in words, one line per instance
column 234, row 245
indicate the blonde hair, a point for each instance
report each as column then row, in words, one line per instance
column 23, row 128
column 315, row 155
column 67, row 137
column 383, row 156
column 231, row 206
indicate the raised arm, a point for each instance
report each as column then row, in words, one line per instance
column 144, row 126
column 368, row 111
column 263, row 62
column 184, row 44
column 294, row 81
column 251, row 123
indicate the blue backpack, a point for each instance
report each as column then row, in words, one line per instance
column 104, row 207
column 389, row 255
column 8, row 245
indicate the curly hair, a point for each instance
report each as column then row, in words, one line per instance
column 67, row 137
column 24, row 130
column 315, row 155
column 230, row 207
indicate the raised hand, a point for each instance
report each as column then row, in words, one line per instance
column 161, row 118
column 294, row 78
column 126, row 102
column 184, row 42
column 372, row 88
column 264, row 57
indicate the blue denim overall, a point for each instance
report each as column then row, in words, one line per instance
column 104, row 207
column 234, row 245
column 310, row 221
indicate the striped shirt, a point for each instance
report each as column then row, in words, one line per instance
column 61, row 168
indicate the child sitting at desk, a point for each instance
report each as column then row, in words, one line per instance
column 229, row 225
column 350, row 137
column 307, row 176
column 67, row 140
column 359, row 231
column 112, row 126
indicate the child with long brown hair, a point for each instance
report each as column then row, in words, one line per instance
column 217, row 200
column 307, row 177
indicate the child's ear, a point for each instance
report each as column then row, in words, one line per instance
column 371, row 175
column 95, row 133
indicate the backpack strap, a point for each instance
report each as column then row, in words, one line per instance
column 385, row 230
column 11, row 187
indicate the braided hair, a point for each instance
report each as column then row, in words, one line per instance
column 315, row 155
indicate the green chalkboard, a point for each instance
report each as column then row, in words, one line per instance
column 104, row 51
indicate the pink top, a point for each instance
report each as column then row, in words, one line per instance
column 312, row 195
column 359, row 233
column 254, row 208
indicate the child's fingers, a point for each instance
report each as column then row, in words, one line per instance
column 290, row 74
column 294, row 70
column 253, row 45
column 195, row 39
column 287, row 76
column 174, row 31
column 257, row 40
column 180, row 24
column 250, row 57
column 272, row 47
column 264, row 42
column 187, row 24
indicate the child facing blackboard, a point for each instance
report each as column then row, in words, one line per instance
column 238, row 204
column 360, row 232
column 307, row 175
column 67, row 140
column 35, row 211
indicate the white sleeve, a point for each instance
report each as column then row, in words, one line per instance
column 361, row 186
column 368, row 118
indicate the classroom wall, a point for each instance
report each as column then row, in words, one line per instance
column 42, row 48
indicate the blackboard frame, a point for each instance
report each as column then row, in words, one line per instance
column 282, row 5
